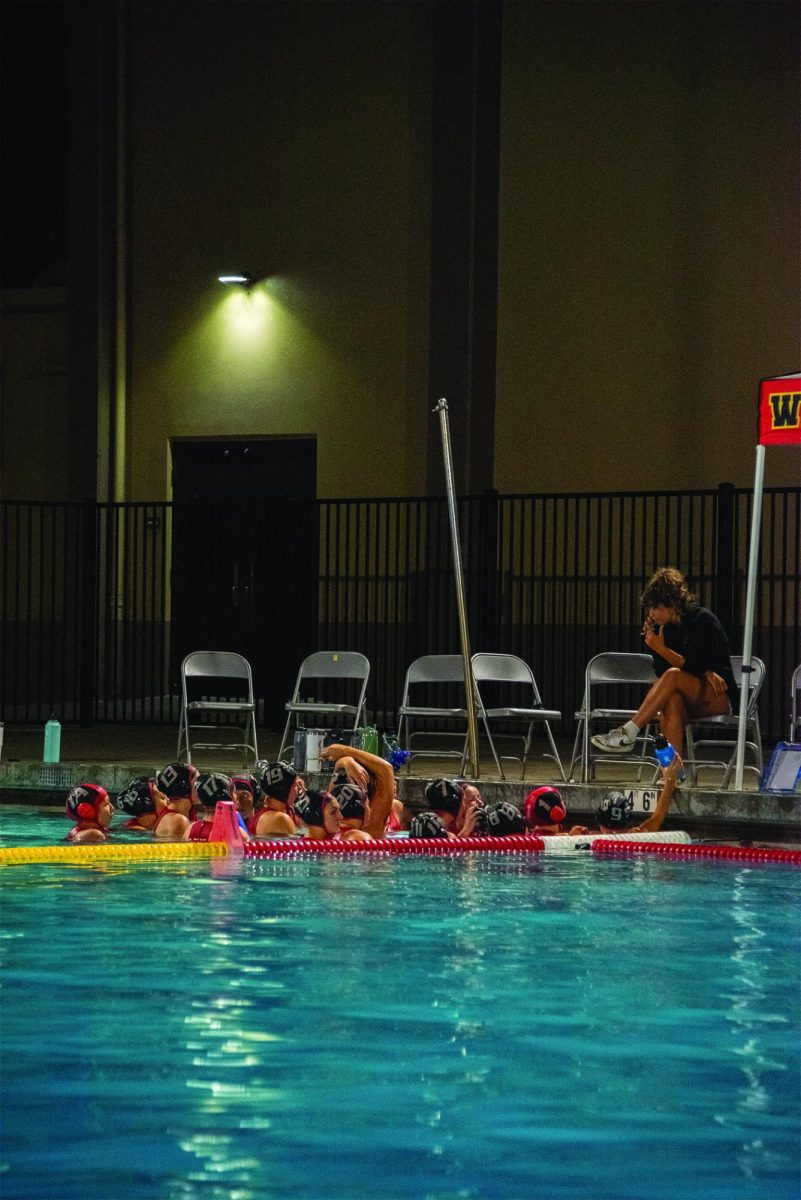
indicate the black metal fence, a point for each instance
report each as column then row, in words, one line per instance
column 94, row 625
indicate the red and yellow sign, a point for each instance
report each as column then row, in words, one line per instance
column 780, row 411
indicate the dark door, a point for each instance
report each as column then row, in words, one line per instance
column 245, row 556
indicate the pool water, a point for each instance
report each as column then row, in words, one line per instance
column 487, row 1026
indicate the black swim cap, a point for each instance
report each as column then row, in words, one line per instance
column 427, row 825
column 137, row 798
column 84, row 801
column 277, row 779
column 445, row 795
column 352, row 800
column 176, row 780
column 310, row 807
column 212, row 787
column 615, row 810
column 502, row 819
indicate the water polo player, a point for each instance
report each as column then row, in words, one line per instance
column 544, row 811
column 89, row 806
column 280, row 785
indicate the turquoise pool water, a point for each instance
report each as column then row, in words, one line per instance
column 479, row 1027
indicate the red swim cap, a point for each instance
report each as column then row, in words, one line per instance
column 84, row 801
column 544, row 806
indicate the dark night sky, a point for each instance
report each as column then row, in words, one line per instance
column 34, row 128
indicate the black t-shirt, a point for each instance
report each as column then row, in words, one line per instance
column 701, row 640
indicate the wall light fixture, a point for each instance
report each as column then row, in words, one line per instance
column 242, row 278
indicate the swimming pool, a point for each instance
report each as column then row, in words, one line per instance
column 477, row 1027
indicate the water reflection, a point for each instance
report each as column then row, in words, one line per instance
column 752, row 1020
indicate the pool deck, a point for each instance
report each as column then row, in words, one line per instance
column 112, row 755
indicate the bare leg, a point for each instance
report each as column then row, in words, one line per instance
column 672, row 720
column 697, row 697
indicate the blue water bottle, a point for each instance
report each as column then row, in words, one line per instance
column 665, row 753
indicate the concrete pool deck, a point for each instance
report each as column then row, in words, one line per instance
column 112, row 755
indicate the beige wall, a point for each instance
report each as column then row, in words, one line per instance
column 288, row 140
column 649, row 255
column 34, row 397
column 649, row 264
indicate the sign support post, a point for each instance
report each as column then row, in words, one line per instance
column 779, row 424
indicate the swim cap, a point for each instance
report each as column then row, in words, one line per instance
column 311, row 805
column 427, row 825
column 352, row 800
column 544, row 806
column 503, row 818
column 277, row 779
column 211, row 787
column 137, row 798
column 245, row 782
column 177, row 780
column 84, row 801
column 445, row 795
column 339, row 777
column 615, row 810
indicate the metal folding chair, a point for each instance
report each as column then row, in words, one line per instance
column 432, row 683
column 632, row 673
column 715, row 729
column 517, row 682
column 346, row 671
column 795, row 705
column 217, row 685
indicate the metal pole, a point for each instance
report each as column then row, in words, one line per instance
column 464, row 634
column 748, row 632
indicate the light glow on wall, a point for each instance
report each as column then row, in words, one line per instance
column 246, row 317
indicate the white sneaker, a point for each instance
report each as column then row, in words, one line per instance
column 616, row 741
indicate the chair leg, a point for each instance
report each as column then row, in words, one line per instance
column 555, row 751
column 284, row 743
column 690, row 745
column 183, row 737
column 585, row 756
column 254, row 746
column 574, row 757
column 492, row 746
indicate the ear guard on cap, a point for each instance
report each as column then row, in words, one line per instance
column 212, row 787
column 427, row 825
column 544, row 805
column 276, row 780
column 177, row 780
column 352, row 799
column 137, row 798
column 444, row 795
column 615, row 809
column 84, row 801
column 310, row 807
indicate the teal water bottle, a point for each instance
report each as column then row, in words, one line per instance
column 52, row 741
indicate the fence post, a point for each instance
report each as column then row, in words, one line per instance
column 725, row 558
column 488, row 632
column 88, row 655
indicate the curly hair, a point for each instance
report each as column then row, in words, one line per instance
column 669, row 587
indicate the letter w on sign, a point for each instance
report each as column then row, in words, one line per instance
column 780, row 411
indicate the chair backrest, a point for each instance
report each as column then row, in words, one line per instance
column 220, row 665
column 436, row 668
column 795, row 702
column 620, row 667
column 758, row 670
column 501, row 668
column 335, row 664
